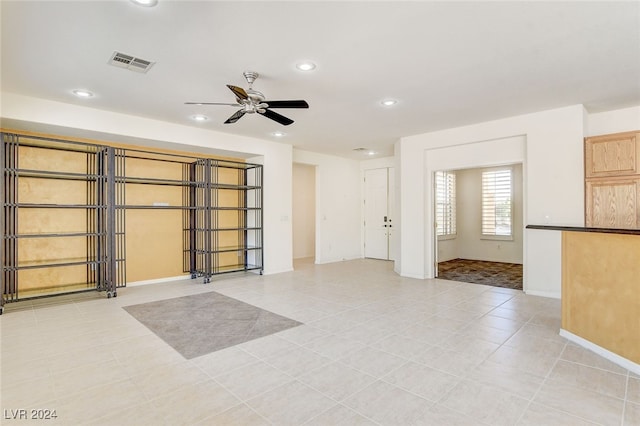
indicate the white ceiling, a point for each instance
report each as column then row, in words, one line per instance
column 447, row 63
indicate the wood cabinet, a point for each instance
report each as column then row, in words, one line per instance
column 613, row 203
column 612, row 181
column 612, row 155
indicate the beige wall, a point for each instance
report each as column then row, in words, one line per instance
column 304, row 211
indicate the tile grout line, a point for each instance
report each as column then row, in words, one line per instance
column 544, row 381
column 626, row 397
column 559, row 358
column 380, row 298
column 243, row 401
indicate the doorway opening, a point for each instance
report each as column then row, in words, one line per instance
column 479, row 225
column 304, row 213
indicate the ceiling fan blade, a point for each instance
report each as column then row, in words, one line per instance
column 277, row 117
column 212, row 103
column 238, row 91
column 287, row 104
column 235, row 117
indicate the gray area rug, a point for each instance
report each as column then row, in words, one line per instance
column 203, row 323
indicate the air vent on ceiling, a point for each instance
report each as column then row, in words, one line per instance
column 129, row 62
column 361, row 149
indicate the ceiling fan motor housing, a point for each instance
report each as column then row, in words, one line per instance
column 255, row 96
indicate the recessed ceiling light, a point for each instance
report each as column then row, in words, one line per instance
column 306, row 66
column 199, row 117
column 145, row 3
column 371, row 153
column 82, row 93
column 278, row 134
column 389, row 102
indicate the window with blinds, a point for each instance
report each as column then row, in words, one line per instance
column 497, row 203
column 445, row 203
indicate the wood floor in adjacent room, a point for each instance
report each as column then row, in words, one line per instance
column 374, row 348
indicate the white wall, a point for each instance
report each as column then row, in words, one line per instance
column 376, row 163
column 621, row 120
column 447, row 249
column 338, row 207
column 304, row 211
column 550, row 146
column 276, row 157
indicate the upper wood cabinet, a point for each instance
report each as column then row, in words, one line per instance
column 612, row 155
column 612, row 181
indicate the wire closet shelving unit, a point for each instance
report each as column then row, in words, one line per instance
column 65, row 206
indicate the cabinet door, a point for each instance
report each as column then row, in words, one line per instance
column 613, row 203
column 612, row 155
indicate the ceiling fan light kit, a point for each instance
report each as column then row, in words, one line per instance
column 252, row 101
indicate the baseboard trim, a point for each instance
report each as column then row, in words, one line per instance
column 340, row 259
column 416, row 276
column 605, row 353
column 159, row 280
column 549, row 294
column 273, row 272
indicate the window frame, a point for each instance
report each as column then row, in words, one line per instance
column 497, row 237
column 450, row 230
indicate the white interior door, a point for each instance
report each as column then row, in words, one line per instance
column 376, row 217
column 391, row 197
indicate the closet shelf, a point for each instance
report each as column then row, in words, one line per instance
column 183, row 183
column 58, row 234
column 151, row 207
column 225, row 249
column 236, row 208
column 51, row 263
column 55, row 206
column 48, row 174
column 236, row 268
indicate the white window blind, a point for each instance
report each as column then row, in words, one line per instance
column 445, row 203
column 497, row 202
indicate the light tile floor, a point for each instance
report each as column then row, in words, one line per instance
column 375, row 349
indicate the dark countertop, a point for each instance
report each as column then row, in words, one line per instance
column 583, row 229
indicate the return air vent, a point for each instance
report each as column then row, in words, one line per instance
column 122, row 60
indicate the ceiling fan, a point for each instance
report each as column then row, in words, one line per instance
column 251, row 101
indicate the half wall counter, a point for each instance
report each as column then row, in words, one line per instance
column 601, row 291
